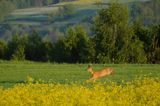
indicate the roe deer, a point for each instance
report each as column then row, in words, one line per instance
column 100, row 73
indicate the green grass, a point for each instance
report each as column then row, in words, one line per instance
column 17, row 72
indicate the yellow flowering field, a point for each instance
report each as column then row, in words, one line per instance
column 140, row 92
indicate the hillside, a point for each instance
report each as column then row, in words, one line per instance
column 52, row 19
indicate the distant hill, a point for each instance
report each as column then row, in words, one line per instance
column 53, row 19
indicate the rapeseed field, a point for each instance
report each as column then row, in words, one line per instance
column 139, row 92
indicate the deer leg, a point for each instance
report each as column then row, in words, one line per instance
column 91, row 79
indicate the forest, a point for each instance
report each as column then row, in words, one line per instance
column 118, row 34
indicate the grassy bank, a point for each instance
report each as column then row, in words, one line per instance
column 17, row 72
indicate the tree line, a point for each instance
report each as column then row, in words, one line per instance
column 7, row 6
column 35, row 3
column 147, row 12
column 114, row 40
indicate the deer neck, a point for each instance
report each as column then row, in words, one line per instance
column 92, row 72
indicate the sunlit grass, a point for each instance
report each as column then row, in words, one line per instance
column 36, row 10
column 12, row 72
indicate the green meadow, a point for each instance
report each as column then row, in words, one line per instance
column 12, row 73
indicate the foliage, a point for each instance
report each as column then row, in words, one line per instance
column 35, row 48
column 3, row 47
column 66, row 10
column 138, row 92
column 76, row 45
column 16, row 47
column 47, row 49
column 60, row 54
column 150, row 36
column 114, row 37
column 147, row 12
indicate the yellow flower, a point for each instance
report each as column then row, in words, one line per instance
column 140, row 92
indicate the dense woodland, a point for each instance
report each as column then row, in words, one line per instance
column 115, row 39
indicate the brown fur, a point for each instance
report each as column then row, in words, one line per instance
column 100, row 73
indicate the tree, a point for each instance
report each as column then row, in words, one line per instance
column 3, row 47
column 47, row 2
column 47, row 49
column 66, row 11
column 155, row 44
column 78, row 43
column 34, row 48
column 148, row 12
column 16, row 47
column 75, row 46
column 113, row 35
column 150, row 37
column 60, row 53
